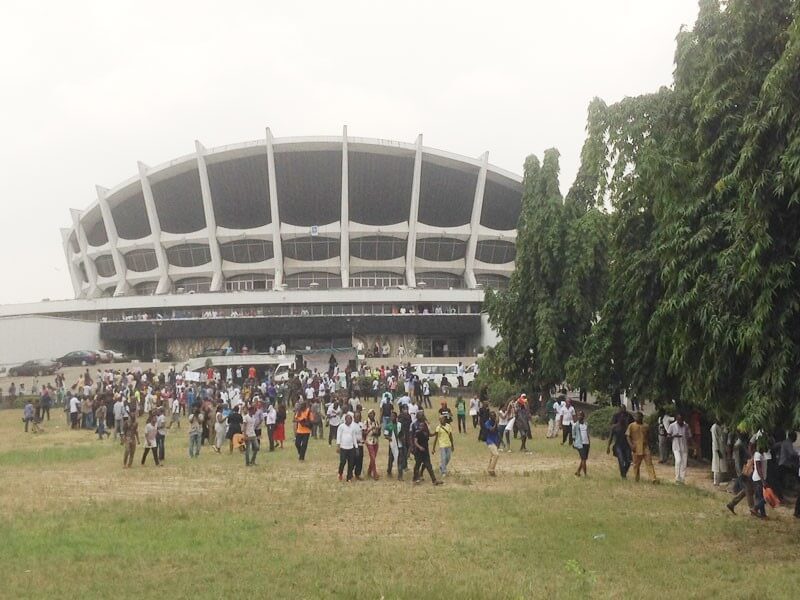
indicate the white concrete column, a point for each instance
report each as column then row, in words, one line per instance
column 113, row 238
column 74, row 276
column 411, row 248
column 344, row 220
column 217, row 281
column 88, row 263
column 475, row 223
column 155, row 231
column 277, row 248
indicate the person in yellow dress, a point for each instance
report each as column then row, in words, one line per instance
column 638, row 434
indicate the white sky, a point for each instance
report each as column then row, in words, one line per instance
column 89, row 88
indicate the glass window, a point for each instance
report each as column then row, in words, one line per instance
column 378, row 247
column 313, row 280
column 190, row 285
column 439, row 281
column 311, row 248
column 146, row 288
column 189, row 255
column 247, row 251
column 105, row 265
column 141, row 260
column 491, row 280
column 248, row 283
column 496, row 252
column 441, row 249
column 376, row 279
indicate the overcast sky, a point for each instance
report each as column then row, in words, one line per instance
column 89, row 88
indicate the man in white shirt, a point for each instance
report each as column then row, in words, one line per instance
column 413, row 409
column 176, row 413
column 251, row 447
column 270, row 414
column 760, row 462
column 681, row 435
column 567, row 419
column 161, row 433
column 334, row 415
column 347, row 438
column 119, row 410
column 74, row 411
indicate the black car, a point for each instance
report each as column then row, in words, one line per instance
column 35, row 367
column 78, row 358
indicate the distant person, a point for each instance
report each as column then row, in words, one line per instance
column 580, row 441
column 638, row 434
column 461, row 414
column 680, row 435
column 346, row 446
column 567, row 422
column 150, row 441
column 743, row 467
column 492, row 439
column 303, row 421
column 130, row 437
column 664, row 421
column 719, row 461
column 443, row 437
column 422, row 454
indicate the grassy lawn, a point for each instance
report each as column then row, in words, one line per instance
column 73, row 524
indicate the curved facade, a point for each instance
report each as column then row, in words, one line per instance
column 313, row 213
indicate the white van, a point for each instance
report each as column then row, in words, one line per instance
column 435, row 371
column 282, row 370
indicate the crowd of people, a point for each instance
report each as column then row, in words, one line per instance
column 237, row 409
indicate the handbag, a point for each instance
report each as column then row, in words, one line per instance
column 771, row 497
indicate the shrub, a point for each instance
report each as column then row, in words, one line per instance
column 500, row 392
column 599, row 422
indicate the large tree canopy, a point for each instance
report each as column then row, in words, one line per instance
column 702, row 296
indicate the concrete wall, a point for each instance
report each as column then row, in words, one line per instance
column 27, row 338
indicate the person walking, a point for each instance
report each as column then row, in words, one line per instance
column 492, row 440
column 422, row 454
column 270, row 416
column 404, row 440
column 580, row 441
column 473, row 411
column 100, row 419
column 622, row 450
column 219, row 429
column 130, row 437
column 760, row 464
column 567, row 421
column 719, row 462
column 251, row 438
column 303, row 422
column 443, row 437
column 176, row 413
column 358, row 426
column 280, row 425
column 372, row 432
column 234, row 427
column 637, row 435
column 150, row 440
column 743, row 467
column 522, row 421
column 334, row 414
column 347, row 446
column 461, row 414
column 161, row 433
column 680, row 435
column 664, row 421
column 550, row 413
column 195, row 431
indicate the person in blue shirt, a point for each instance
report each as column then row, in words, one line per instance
column 492, row 441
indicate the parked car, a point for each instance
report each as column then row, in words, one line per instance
column 103, row 356
column 35, row 367
column 117, row 356
column 435, row 372
column 212, row 352
column 78, row 358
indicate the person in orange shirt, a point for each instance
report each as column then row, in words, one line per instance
column 302, row 419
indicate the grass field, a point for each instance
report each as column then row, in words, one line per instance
column 74, row 524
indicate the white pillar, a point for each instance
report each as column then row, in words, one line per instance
column 73, row 272
column 344, row 220
column 113, row 238
column 277, row 248
column 411, row 248
column 155, row 231
column 475, row 223
column 217, row 281
column 88, row 263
